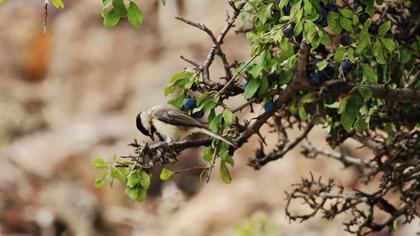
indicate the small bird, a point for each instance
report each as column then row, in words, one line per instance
column 171, row 124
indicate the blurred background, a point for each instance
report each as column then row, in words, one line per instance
column 72, row 94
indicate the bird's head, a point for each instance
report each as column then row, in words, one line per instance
column 143, row 123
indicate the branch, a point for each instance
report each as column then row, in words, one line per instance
column 277, row 154
column 310, row 150
column 298, row 83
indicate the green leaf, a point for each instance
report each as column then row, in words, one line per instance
column 111, row 19
column 333, row 23
column 163, row 2
column 389, row 44
column 224, row 173
column 133, row 192
column 179, row 100
column 119, row 7
column 59, row 4
column 369, row 74
column 251, row 88
column 346, row 12
column 339, row 54
column 215, row 123
column 144, row 179
column 99, row 163
column 298, row 28
column 365, row 92
column 228, row 117
column 346, row 24
column 309, row 98
column 117, row 174
column 303, row 115
column 360, row 125
column 135, row 17
column 208, row 154
column 265, row 13
column 165, row 174
column 350, row 111
column 363, row 42
column 384, row 27
column 133, row 178
column 99, row 182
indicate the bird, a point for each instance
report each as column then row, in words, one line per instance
column 171, row 124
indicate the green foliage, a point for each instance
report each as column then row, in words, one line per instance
column 136, row 181
column 59, row 4
column 375, row 57
column 165, row 174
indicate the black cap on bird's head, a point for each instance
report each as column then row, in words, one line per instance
column 141, row 127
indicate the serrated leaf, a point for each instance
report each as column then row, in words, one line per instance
column 214, row 124
column 333, row 23
column 303, row 115
column 346, row 12
column 360, row 125
column 144, row 179
column 99, row 163
column 224, row 173
column 365, row 92
column 384, row 27
column 119, row 7
column 99, row 182
column 111, row 19
column 251, row 88
column 133, row 178
column 59, row 4
column 133, row 192
column 389, row 44
column 369, row 74
column 309, row 98
column 165, row 174
column 228, row 117
column 339, row 54
column 117, row 174
column 135, row 17
column 346, row 23
column 350, row 111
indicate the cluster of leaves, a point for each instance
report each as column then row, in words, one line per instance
column 114, row 10
column 136, row 180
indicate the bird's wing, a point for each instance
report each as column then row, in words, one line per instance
column 177, row 117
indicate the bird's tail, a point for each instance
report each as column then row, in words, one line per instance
column 216, row 136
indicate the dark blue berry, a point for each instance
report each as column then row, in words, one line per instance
column 322, row 22
column 363, row 17
column 288, row 33
column 332, row 7
column 324, row 11
column 355, row 6
column 328, row 71
column 269, row 106
column 189, row 104
column 346, row 66
column 198, row 114
column 315, row 78
column 345, row 40
column 286, row 9
column 373, row 29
